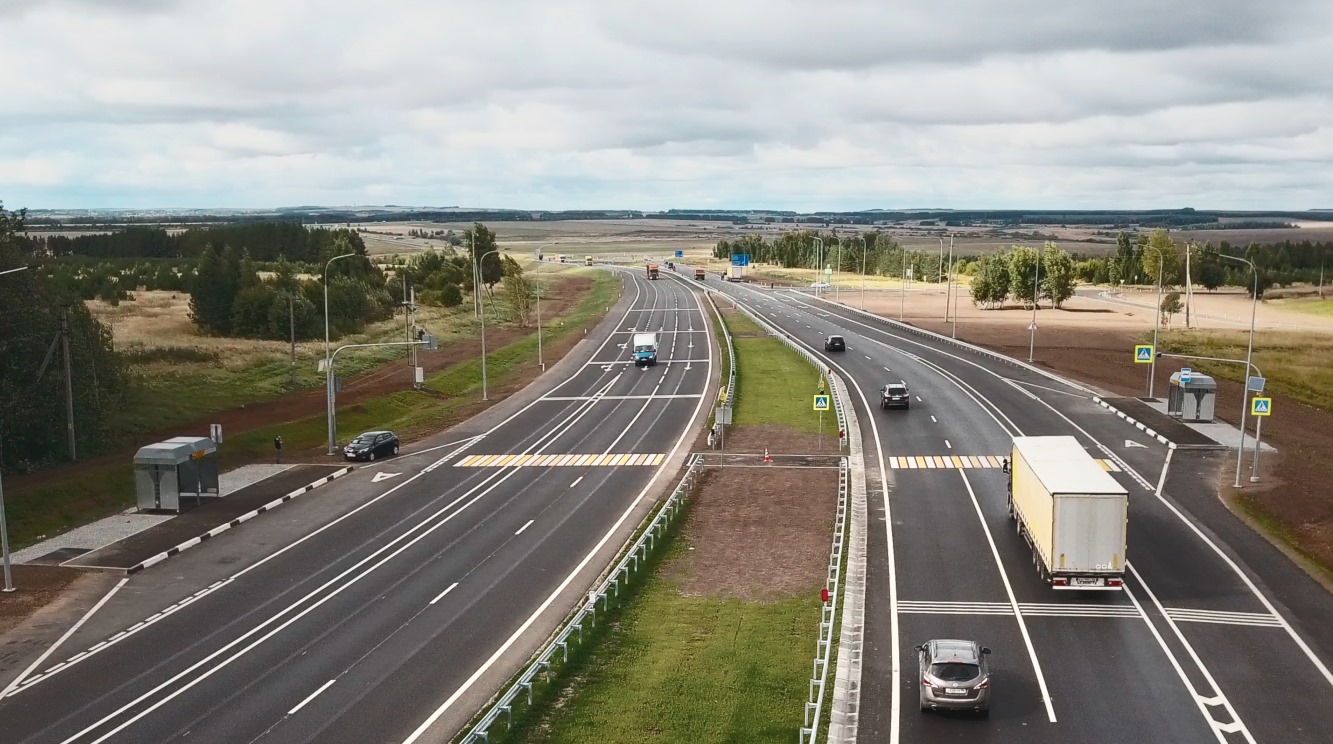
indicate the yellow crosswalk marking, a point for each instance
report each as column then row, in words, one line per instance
column 604, row 459
column 914, row 462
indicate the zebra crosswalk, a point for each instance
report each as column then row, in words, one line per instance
column 558, row 461
column 924, row 462
column 1085, row 610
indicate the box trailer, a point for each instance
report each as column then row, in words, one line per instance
column 735, row 273
column 1071, row 511
column 645, row 349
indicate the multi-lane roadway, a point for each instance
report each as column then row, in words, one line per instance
column 394, row 603
column 1217, row 637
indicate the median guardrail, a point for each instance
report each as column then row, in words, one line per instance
column 731, row 350
column 814, row 705
column 546, row 664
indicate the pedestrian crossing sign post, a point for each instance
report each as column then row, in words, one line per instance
column 822, row 402
column 1143, row 354
column 1261, row 406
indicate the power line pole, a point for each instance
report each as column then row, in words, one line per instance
column 69, row 384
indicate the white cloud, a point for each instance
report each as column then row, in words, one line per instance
column 836, row 104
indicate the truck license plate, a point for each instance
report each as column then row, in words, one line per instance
column 1087, row 581
column 954, row 691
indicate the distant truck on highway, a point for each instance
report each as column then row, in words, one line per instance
column 645, row 349
column 735, row 273
column 1071, row 512
column 700, row 274
column 652, row 271
column 587, row 260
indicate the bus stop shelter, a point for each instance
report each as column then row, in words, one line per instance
column 181, row 470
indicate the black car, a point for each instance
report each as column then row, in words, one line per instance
column 894, row 395
column 835, row 343
column 371, row 446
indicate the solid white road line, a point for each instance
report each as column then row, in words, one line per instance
column 446, row 591
column 946, row 444
column 524, row 527
column 1013, row 600
column 1207, row 675
column 555, row 593
column 576, row 481
column 313, row 695
column 933, row 421
column 46, row 654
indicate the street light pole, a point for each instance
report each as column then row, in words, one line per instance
column 1157, row 321
column 482, row 300
column 4, row 526
column 902, row 304
column 541, row 260
column 819, row 261
column 328, row 359
column 1249, row 357
column 1036, row 295
column 948, row 290
column 863, row 272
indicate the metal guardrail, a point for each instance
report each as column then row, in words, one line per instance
column 814, row 704
column 545, row 662
column 731, row 351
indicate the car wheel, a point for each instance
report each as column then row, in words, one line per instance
column 395, row 450
column 372, row 455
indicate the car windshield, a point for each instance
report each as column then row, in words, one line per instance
column 643, row 347
column 365, row 439
column 954, row 672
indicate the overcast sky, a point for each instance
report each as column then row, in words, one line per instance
column 550, row 104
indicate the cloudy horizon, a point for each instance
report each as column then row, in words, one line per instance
column 595, row 104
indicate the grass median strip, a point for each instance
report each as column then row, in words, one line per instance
column 36, row 513
column 717, row 643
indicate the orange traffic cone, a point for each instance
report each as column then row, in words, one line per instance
column 767, row 459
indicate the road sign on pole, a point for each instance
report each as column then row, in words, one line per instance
column 1255, row 384
column 1185, row 376
column 821, row 402
column 1143, row 354
column 1261, row 406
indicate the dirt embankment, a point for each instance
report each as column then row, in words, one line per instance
column 1294, row 490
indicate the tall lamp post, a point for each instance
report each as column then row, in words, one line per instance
column 4, row 527
column 862, row 238
column 328, row 361
column 1036, row 295
column 1249, row 356
column 540, row 362
column 948, row 290
column 819, row 260
column 902, row 302
column 481, row 299
column 1157, row 321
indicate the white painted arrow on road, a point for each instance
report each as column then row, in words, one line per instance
column 382, row 476
column 1130, row 443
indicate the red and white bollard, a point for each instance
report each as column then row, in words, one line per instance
column 767, row 459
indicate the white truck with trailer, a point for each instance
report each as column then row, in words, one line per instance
column 1071, row 511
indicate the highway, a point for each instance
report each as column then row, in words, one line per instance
column 1217, row 638
column 390, row 607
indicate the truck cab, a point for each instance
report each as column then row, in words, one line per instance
column 652, row 271
column 587, row 260
column 645, row 349
column 700, row 274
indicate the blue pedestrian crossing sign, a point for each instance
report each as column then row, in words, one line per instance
column 1143, row 354
column 1261, row 406
column 821, row 402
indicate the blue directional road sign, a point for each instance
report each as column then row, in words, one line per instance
column 740, row 259
column 1143, row 354
column 1261, row 406
column 680, row 254
column 821, row 402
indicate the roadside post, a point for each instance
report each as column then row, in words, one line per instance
column 1144, row 354
column 821, row 404
column 4, row 527
column 1260, row 409
column 277, row 450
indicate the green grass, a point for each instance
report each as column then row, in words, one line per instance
column 686, row 669
column 774, row 385
column 1299, row 365
column 1310, row 306
column 739, row 322
column 44, row 511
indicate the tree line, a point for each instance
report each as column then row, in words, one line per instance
column 265, row 241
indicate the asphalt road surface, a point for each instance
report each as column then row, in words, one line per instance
column 393, row 605
column 1217, row 637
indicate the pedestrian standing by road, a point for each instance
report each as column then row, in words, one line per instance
column 710, row 439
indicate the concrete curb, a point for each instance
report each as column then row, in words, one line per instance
column 1130, row 420
column 243, row 518
column 845, row 709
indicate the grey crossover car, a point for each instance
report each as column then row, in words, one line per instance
column 954, row 676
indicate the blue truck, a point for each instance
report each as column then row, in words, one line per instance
column 645, row 349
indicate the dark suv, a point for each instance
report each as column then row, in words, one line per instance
column 894, row 395
column 835, row 343
column 371, row 446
